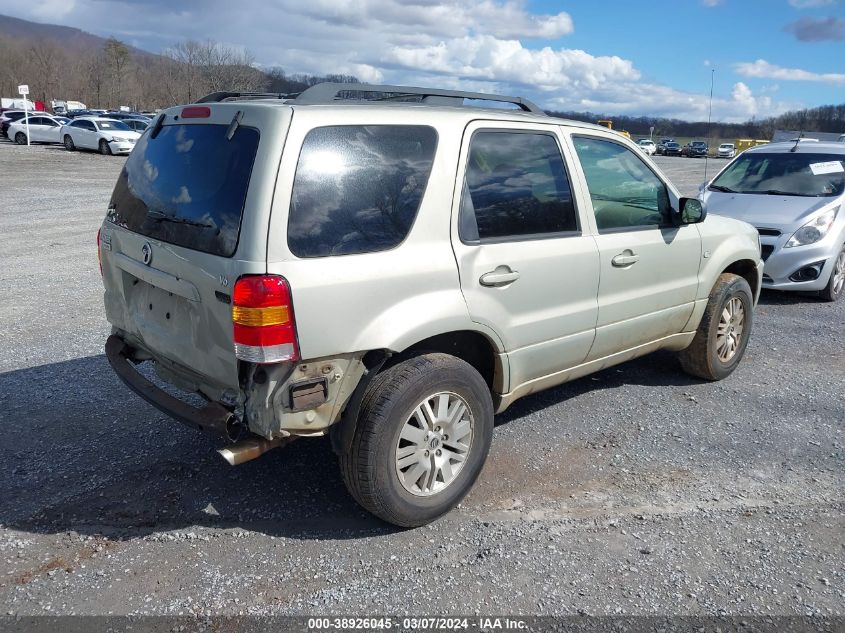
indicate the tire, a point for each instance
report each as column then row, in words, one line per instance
column 836, row 284
column 706, row 357
column 391, row 414
column 69, row 146
column 105, row 150
column 20, row 138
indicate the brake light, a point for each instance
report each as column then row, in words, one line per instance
column 99, row 253
column 196, row 112
column 263, row 321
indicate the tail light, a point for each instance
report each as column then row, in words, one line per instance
column 99, row 254
column 262, row 314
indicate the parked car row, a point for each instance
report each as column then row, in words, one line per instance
column 111, row 134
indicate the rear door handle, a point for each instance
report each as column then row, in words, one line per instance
column 625, row 258
column 502, row 276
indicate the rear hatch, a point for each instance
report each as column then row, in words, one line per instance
column 187, row 217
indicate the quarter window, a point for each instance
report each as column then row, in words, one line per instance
column 515, row 186
column 624, row 191
column 358, row 188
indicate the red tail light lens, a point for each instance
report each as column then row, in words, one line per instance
column 262, row 315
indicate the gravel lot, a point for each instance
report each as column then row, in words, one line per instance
column 637, row 490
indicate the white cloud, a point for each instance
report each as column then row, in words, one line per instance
column 488, row 58
column 711, row 3
column 763, row 69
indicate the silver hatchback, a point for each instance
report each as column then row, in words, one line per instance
column 794, row 193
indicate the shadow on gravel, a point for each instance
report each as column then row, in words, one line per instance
column 780, row 298
column 87, row 455
column 659, row 369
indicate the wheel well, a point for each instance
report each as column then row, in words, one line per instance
column 746, row 269
column 472, row 347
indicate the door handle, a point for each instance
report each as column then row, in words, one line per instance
column 625, row 258
column 502, row 276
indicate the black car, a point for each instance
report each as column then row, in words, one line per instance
column 696, row 149
column 672, row 149
column 123, row 116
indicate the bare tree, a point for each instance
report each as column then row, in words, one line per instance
column 117, row 59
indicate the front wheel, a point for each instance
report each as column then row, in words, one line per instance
column 105, row 150
column 835, row 286
column 20, row 138
column 723, row 333
column 423, row 434
column 69, row 146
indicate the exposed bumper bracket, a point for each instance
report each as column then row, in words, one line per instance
column 213, row 418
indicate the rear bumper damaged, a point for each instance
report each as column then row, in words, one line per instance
column 212, row 418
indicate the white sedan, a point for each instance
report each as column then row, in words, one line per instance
column 108, row 136
column 647, row 146
column 43, row 128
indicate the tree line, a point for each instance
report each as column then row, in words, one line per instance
column 821, row 119
column 115, row 75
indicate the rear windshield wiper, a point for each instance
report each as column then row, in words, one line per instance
column 161, row 217
column 721, row 188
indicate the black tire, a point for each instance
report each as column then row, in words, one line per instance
column 69, row 146
column 831, row 292
column 369, row 468
column 701, row 358
column 20, row 138
column 105, row 150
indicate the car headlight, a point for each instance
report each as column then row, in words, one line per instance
column 814, row 230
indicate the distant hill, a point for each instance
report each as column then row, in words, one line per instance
column 69, row 38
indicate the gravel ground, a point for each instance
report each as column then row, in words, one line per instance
column 636, row 490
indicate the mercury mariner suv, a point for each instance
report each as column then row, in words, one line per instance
column 393, row 266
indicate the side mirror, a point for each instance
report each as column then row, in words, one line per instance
column 692, row 211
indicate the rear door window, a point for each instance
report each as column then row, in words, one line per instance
column 187, row 186
column 516, row 187
column 358, row 188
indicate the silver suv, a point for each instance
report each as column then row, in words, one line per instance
column 392, row 266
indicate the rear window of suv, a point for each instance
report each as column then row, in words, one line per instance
column 187, row 186
column 358, row 188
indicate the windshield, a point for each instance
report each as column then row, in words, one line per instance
column 113, row 125
column 187, row 186
column 792, row 174
column 726, row 146
column 698, row 143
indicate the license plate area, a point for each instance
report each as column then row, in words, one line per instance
column 165, row 321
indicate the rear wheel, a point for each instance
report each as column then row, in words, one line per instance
column 20, row 138
column 836, row 285
column 69, row 146
column 422, row 437
column 105, row 150
column 723, row 333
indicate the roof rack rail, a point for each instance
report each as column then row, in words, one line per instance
column 216, row 97
column 327, row 92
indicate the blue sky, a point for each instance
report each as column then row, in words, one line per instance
column 609, row 56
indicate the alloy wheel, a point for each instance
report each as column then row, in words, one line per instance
column 838, row 280
column 729, row 331
column 434, row 444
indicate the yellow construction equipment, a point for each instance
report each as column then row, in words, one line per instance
column 609, row 125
